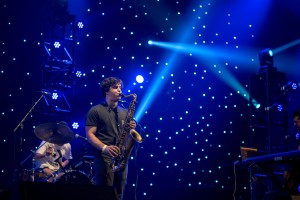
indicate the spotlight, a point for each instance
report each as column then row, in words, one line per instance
column 75, row 125
column 279, row 107
column 54, row 95
column 291, row 86
column 80, row 24
column 276, row 107
column 56, row 44
column 78, row 73
column 57, row 101
column 139, row 79
column 266, row 58
column 256, row 104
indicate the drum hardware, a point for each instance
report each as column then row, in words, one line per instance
column 32, row 171
column 83, row 159
column 38, row 176
column 88, row 160
column 31, row 174
column 55, row 177
column 56, row 133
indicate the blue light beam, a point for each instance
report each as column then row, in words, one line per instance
column 171, row 64
column 235, row 55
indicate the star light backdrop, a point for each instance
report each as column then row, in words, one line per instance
column 196, row 58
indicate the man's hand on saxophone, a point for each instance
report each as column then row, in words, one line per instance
column 111, row 150
column 132, row 124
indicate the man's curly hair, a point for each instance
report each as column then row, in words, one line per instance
column 108, row 82
column 296, row 113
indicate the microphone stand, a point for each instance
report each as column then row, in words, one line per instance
column 21, row 125
column 21, row 122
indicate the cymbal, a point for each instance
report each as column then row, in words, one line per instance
column 56, row 133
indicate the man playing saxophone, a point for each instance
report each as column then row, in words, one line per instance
column 103, row 126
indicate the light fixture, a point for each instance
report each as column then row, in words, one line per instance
column 56, row 44
column 75, row 125
column 291, row 86
column 56, row 101
column 80, row 24
column 266, row 58
column 279, row 107
column 78, row 73
column 139, row 79
column 276, row 107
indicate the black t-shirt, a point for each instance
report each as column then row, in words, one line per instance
column 108, row 121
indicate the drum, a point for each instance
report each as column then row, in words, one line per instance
column 74, row 177
column 39, row 176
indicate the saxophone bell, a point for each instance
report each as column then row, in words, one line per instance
column 136, row 136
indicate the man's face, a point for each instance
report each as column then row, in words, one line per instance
column 114, row 92
column 297, row 122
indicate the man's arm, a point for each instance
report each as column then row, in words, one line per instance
column 92, row 139
column 111, row 150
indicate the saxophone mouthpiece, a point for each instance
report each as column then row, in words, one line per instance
column 122, row 95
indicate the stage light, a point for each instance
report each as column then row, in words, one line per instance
column 266, row 58
column 257, row 106
column 54, row 95
column 279, row 107
column 57, row 101
column 139, row 79
column 150, row 42
column 80, row 24
column 291, row 86
column 78, row 73
column 56, row 44
column 276, row 107
column 75, row 125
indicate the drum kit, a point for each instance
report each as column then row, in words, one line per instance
column 59, row 133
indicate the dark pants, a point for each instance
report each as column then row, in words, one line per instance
column 104, row 176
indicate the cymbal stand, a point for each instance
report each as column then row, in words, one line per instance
column 21, row 125
column 90, row 174
column 33, row 161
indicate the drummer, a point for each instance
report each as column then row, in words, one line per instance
column 52, row 158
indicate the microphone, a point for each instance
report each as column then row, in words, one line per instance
column 79, row 136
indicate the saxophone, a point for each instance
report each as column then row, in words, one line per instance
column 127, row 138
